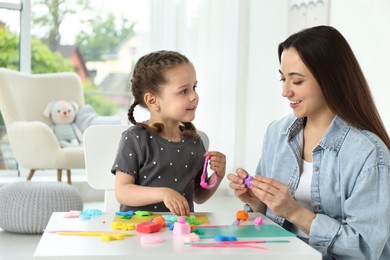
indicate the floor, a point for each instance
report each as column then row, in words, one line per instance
column 22, row 246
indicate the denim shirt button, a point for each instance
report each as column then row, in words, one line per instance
column 316, row 168
column 317, row 208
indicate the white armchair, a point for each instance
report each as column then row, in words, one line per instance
column 23, row 98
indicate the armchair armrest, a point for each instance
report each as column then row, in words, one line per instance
column 34, row 144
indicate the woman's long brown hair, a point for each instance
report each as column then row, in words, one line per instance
column 329, row 57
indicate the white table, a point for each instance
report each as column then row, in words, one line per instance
column 55, row 246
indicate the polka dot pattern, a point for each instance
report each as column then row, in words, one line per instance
column 154, row 161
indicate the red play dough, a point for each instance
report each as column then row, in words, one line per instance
column 148, row 227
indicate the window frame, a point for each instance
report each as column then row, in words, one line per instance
column 25, row 36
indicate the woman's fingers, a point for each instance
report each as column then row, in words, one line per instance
column 242, row 173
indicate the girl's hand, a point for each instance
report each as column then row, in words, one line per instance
column 275, row 195
column 217, row 163
column 175, row 202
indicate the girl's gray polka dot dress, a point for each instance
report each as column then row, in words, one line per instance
column 157, row 162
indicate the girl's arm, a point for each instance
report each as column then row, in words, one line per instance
column 218, row 166
column 128, row 193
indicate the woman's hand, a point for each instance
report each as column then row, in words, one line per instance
column 276, row 195
column 237, row 184
column 175, row 202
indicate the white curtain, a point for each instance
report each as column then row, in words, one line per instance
column 214, row 36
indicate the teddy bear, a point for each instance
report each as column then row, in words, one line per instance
column 62, row 114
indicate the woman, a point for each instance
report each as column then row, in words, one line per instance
column 324, row 173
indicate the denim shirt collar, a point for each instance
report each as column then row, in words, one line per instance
column 332, row 139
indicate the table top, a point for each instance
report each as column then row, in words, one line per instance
column 54, row 246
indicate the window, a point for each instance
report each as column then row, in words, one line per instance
column 15, row 54
column 15, row 23
column 9, row 34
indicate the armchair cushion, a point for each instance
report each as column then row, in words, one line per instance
column 52, row 155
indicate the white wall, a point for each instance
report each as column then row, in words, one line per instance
column 233, row 44
column 263, row 101
column 366, row 26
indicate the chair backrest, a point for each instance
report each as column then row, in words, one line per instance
column 100, row 148
column 23, row 96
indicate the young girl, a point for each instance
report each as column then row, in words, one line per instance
column 159, row 162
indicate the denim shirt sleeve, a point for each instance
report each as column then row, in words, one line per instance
column 280, row 159
column 364, row 230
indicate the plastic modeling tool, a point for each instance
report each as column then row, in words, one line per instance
column 217, row 245
column 105, row 236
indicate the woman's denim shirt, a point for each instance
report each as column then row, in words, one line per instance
column 350, row 190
